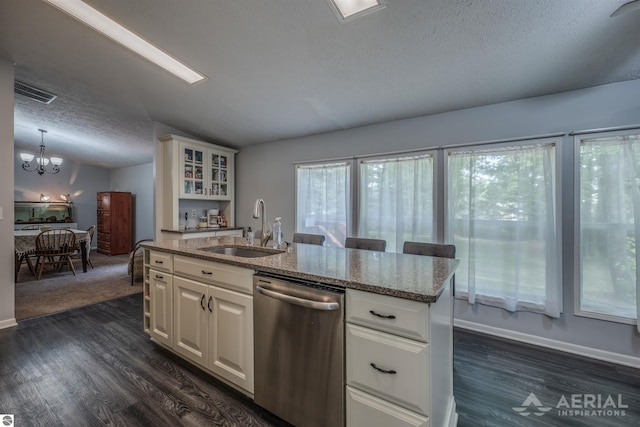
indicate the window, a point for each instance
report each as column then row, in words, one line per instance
column 323, row 200
column 396, row 200
column 501, row 215
column 609, row 226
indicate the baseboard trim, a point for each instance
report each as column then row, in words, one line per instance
column 8, row 323
column 593, row 353
column 452, row 415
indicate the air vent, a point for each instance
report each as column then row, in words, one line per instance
column 34, row 93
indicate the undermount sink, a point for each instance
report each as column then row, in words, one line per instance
column 239, row 251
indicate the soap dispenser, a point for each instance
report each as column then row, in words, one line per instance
column 277, row 233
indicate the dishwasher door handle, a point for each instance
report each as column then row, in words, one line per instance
column 316, row 305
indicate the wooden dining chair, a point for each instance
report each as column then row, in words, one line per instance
column 91, row 230
column 27, row 257
column 136, row 261
column 367, row 244
column 310, row 239
column 54, row 247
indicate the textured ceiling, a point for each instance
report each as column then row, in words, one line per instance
column 279, row 69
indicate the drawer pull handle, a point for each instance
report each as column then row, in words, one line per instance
column 158, row 262
column 384, row 371
column 159, row 276
column 207, row 272
column 202, row 302
column 382, row 316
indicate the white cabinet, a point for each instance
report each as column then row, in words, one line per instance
column 366, row 410
column 398, row 361
column 161, row 285
column 189, row 170
column 231, row 336
column 190, row 319
column 205, row 172
column 203, row 311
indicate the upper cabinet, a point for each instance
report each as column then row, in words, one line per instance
column 206, row 172
column 188, row 170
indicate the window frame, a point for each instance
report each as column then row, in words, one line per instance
column 577, row 262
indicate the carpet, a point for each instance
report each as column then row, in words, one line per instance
column 59, row 291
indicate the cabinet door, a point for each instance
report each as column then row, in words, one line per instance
column 231, row 337
column 192, row 172
column 219, row 175
column 161, row 306
column 190, row 316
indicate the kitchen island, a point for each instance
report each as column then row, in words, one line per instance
column 183, row 277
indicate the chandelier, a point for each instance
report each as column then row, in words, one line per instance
column 42, row 161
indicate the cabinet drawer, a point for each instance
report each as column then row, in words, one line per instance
column 389, row 314
column 161, row 261
column 224, row 275
column 408, row 386
column 366, row 410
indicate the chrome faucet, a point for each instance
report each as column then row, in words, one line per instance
column 259, row 212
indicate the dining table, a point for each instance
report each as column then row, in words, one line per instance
column 25, row 245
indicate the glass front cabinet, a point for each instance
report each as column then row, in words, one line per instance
column 205, row 173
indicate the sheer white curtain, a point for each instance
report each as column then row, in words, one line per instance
column 396, row 200
column 502, row 218
column 323, row 200
column 610, row 226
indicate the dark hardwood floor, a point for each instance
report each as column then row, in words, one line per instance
column 94, row 366
column 492, row 376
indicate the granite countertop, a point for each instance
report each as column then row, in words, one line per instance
column 200, row 230
column 414, row 277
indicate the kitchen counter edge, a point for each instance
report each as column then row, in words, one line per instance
column 192, row 249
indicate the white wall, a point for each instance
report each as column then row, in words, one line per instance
column 7, row 289
column 267, row 171
column 138, row 180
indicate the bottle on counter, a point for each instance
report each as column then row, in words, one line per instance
column 277, row 233
column 249, row 236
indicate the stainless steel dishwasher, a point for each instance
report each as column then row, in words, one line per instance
column 299, row 350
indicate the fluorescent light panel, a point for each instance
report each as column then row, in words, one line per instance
column 351, row 9
column 110, row 28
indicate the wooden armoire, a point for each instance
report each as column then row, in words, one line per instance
column 114, row 222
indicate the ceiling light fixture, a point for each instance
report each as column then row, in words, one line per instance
column 110, row 28
column 42, row 161
column 351, row 9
